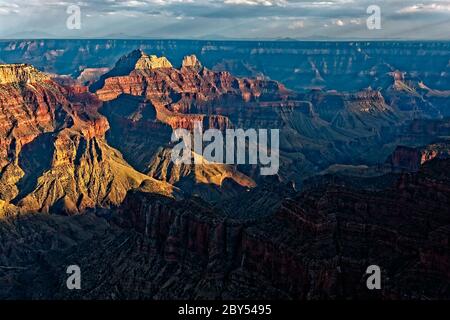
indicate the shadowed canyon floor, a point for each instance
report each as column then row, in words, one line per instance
column 316, row 246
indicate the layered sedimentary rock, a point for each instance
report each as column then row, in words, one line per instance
column 136, row 60
column 31, row 105
column 146, row 98
column 190, row 90
column 252, row 237
column 411, row 159
column 406, row 95
column 342, row 66
column 20, row 73
column 53, row 154
column 144, row 103
column 318, row 245
column 412, row 76
column 211, row 181
column 83, row 173
column 191, row 62
column 318, row 129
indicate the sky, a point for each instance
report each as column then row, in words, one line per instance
column 225, row 19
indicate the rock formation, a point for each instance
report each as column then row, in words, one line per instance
column 101, row 156
column 53, row 154
column 353, row 229
column 301, row 66
column 411, row 159
column 20, row 73
column 191, row 62
column 324, row 127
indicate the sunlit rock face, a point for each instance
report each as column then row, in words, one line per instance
column 191, row 62
column 53, row 152
column 138, row 60
column 144, row 98
column 135, row 60
column 20, row 73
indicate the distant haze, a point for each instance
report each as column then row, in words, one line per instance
column 226, row 19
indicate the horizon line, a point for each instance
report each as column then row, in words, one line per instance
column 231, row 39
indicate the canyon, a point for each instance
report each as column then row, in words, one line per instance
column 54, row 155
column 86, row 175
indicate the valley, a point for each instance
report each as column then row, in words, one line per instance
column 86, row 175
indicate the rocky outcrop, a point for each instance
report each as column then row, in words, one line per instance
column 318, row 244
column 186, row 93
column 20, row 73
column 341, row 66
column 27, row 110
column 138, row 60
column 209, row 180
column 405, row 158
column 411, row 159
column 61, row 152
column 53, row 155
column 146, row 99
column 365, row 112
column 83, row 173
column 191, row 62
column 318, row 129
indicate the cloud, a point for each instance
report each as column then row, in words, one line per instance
column 8, row 8
column 432, row 7
column 339, row 22
column 229, row 18
column 267, row 3
column 300, row 24
column 134, row 3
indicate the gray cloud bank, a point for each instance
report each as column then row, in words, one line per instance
column 226, row 19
